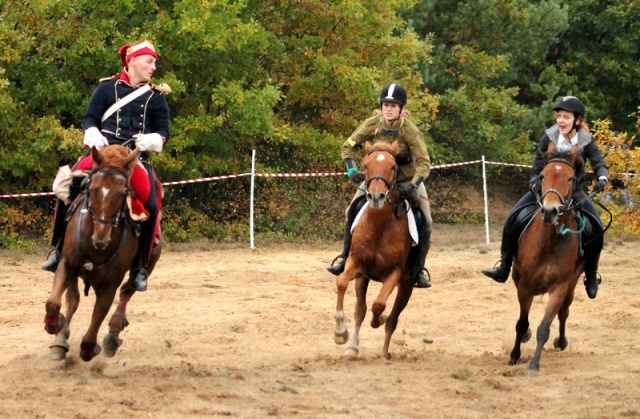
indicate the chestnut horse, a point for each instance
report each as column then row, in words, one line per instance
column 100, row 245
column 380, row 248
column 548, row 258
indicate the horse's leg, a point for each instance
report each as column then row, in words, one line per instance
column 561, row 341
column 341, row 332
column 89, row 347
column 359, row 314
column 523, row 333
column 556, row 297
column 405, row 289
column 111, row 341
column 380, row 303
column 60, row 346
column 54, row 322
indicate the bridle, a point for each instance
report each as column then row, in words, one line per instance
column 566, row 203
column 390, row 183
column 87, row 207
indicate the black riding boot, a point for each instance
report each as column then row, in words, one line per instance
column 424, row 281
column 59, row 228
column 592, row 258
column 352, row 212
column 138, row 274
column 501, row 272
column 337, row 268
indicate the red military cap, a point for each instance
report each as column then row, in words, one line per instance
column 128, row 51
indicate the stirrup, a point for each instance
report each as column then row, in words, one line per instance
column 427, row 279
column 494, row 272
column 337, row 269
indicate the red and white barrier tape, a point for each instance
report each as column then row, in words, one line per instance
column 508, row 164
column 300, row 174
column 204, row 179
column 279, row 175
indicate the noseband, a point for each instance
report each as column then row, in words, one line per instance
column 566, row 203
column 390, row 184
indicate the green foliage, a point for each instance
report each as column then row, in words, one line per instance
column 291, row 80
column 623, row 163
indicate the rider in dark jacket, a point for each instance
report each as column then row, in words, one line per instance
column 570, row 129
column 126, row 107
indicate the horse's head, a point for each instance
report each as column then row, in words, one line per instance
column 108, row 188
column 380, row 171
column 561, row 172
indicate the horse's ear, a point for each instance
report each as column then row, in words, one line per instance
column 367, row 147
column 574, row 153
column 394, row 146
column 96, row 156
column 551, row 148
column 130, row 161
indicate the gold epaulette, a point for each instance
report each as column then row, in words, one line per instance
column 106, row 78
column 163, row 88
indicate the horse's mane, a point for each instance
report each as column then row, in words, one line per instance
column 112, row 157
column 578, row 165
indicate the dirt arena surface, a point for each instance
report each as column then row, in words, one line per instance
column 228, row 331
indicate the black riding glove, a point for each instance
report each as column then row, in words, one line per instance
column 599, row 187
column 355, row 176
column 410, row 193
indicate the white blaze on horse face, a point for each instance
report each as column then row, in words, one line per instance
column 105, row 193
column 381, row 157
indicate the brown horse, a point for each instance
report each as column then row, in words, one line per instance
column 380, row 249
column 548, row 254
column 101, row 242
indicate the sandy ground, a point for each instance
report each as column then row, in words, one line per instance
column 229, row 331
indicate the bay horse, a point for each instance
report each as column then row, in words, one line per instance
column 100, row 245
column 548, row 259
column 380, row 248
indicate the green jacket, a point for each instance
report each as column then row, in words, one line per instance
column 413, row 158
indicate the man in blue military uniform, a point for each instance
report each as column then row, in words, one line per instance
column 122, row 108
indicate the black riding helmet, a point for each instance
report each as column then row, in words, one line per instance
column 571, row 104
column 394, row 93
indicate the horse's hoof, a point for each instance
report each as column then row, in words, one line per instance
column 341, row 338
column 111, row 344
column 526, row 336
column 59, row 348
column 88, row 355
column 513, row 362
column 560, row 343
column 351, row 353
column 530, row 373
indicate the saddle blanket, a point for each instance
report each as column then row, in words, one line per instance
column 413, row 229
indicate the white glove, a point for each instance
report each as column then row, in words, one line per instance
column 94, row 138
column 151, row 142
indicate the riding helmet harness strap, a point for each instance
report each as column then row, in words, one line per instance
column 127, row 99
